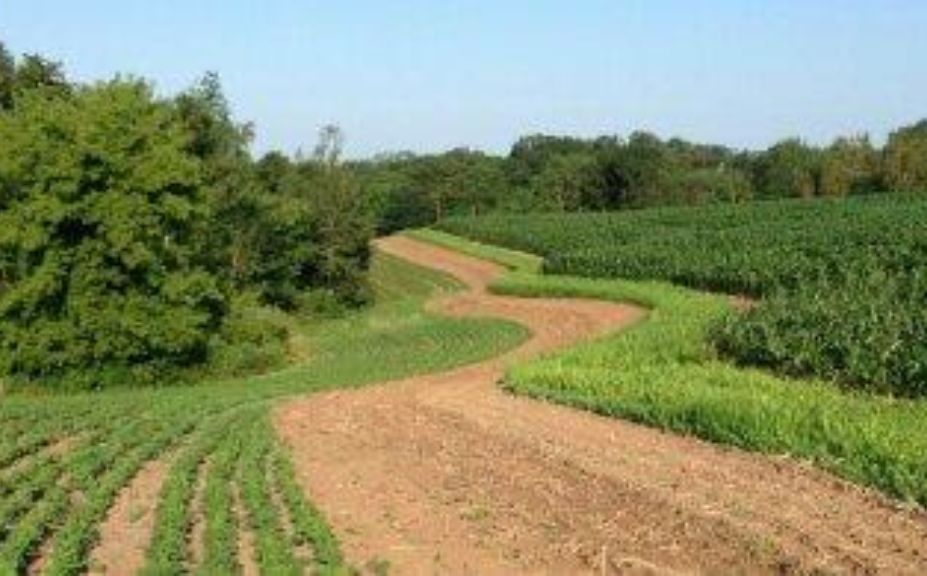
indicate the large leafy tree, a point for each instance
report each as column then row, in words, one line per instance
column 100, row 206
column 234, row 204
column 848, row 166
column 787, row 169
column 567, row 183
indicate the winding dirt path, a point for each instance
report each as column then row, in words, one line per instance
column 447, row 474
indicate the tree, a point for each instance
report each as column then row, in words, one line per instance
column 531, row 153
column 35, row 72
column 221, row 146
column 906, row 158
column 308, row 231
column 720, row 184
column 639, row 173
column 272, row 170
column 98, row 245
column 7, row 78
column 848, row 166
column 568, row 183
column 392, row 192
column 787, row 169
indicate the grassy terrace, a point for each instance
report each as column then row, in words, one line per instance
column 665, row 373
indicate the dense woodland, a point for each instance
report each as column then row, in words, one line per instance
column 141, row 241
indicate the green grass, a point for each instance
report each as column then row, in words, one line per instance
column 221, row 429
column 665, row 373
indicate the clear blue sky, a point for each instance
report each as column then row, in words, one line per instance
column 426, row 75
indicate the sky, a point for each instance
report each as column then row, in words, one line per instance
column 429, row 75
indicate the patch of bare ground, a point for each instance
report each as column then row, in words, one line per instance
column 40, row 559
column 448, row 474
column 126, row 532
column 195, row 540
column 301, row 551
column 246, row 545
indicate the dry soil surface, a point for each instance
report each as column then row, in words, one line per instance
column 448, row 474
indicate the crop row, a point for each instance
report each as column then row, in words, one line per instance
column 65, row 458
column 843, row 282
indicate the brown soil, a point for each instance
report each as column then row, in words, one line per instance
column 246, row 544
column 196, row 539
column 448, row 474
column 126, row 532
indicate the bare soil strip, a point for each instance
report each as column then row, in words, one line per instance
column 126, row 532
column 246, row 544
column 448, row 474
column 195, row 541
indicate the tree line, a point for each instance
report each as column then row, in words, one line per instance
column 139, row 240
column 554, row 173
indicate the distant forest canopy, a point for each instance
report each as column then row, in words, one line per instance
column 139, row 241
column 554, row 173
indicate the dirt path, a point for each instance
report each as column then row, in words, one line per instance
column 447, row 474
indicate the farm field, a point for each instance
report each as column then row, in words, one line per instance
column 670, row 372
column 452, row 288
column 66, row 459
column 842, row 283
column 448, row 473
column 666, row 373
column 217, row 477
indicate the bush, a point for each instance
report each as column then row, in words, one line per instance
column 253, row 339
column 99, row 281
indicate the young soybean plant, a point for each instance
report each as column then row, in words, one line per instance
column 167, row 553
column 220, row 538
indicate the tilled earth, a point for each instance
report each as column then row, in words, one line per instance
column 447, row 474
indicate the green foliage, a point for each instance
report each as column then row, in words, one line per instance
column 869, row 331
column 7, row 78
column 405, row 191
column 254, row 338
column 129, row 223
column 844, row 279
column 567, row 183
column 545, row 173
column 63, row 458
column 33, row 72
column 906, row 158
column 787, row 169
column 849, row 166
column 99, row 282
